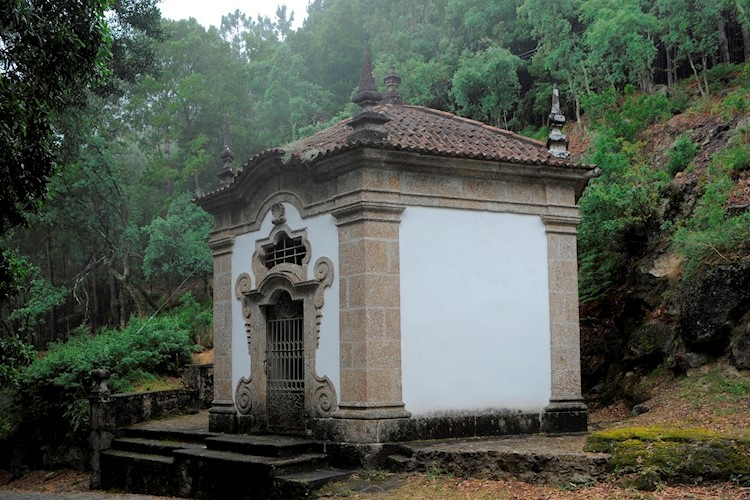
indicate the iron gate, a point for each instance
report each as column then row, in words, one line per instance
column 285, row 365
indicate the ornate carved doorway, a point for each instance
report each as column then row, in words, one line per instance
column 285, row 365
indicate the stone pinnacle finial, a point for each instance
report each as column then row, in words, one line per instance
column 392, row 82
column 367, row 95
column 226, row 174
column 368, row 124
column 557, row 143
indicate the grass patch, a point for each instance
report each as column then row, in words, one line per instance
column 715, row 385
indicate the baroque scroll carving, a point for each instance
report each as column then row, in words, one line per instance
column 244, row 396
column 324, row 397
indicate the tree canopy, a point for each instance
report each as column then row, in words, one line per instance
column 111, row 118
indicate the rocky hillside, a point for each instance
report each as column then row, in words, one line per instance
column 676, row 291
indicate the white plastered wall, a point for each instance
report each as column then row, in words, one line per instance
column 474, row 311
column 323, row 236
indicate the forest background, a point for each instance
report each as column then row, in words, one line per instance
column 99, row 232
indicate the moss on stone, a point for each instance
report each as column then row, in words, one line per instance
column 676, row 455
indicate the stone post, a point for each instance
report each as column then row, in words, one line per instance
column 102, row 424
column 370, row 322
column 566, row 411
column 222, row 417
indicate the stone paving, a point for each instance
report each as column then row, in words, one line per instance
column 197, row 422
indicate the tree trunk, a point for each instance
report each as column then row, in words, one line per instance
column 745, row 41
column 51, row 278
column 697, row 77
column 95, row 314
column 113, row 298
column 670, row 80
column 585, row 73
column 704, row 61
column 723, row 41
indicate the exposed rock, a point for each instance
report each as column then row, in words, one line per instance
column 740, row 349
column 639, row 410
column 650, row 343
column 711, row 302
column 690, row 360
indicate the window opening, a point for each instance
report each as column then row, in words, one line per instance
column 285, row 251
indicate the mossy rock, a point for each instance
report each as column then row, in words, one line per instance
column 678, row 456
column 712, row 301
column 649, row 342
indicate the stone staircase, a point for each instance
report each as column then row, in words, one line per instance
column 198, row 464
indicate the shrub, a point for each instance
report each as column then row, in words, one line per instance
column 711, row 233
column 681, row 154
column 15, row 355
column 616, row 210
column 54, row 389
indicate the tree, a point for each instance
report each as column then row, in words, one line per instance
column 691, row 32
column 178, row 244
column 620, row 39
column 560, row 56
column 49, row 52
column 486, row 85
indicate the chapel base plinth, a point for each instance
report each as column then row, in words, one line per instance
column 222, row 417
column 371, row 426
column 565, row 416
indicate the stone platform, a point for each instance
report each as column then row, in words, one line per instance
column 190, row 461
column 538, row 459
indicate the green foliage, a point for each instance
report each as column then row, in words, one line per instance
column 616, row 210
column 682, row 153
column 712, row 233
column 627, row 113
column 178, row 244
column 620, row 40
column 486, row 86
column 50, row 51
column 56, row 386
column 15, row 355
column 199, row 317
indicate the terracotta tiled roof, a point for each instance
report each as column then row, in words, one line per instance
column 421, row 130
column 425, row 130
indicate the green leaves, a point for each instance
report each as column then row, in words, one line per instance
column 178, row 244
column 486, row 86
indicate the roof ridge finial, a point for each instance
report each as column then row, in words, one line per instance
column 557, row 142
column 367, row 95
column 392, row 82
column 226, row 174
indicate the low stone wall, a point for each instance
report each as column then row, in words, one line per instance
column 111, row 412
column 133, row 407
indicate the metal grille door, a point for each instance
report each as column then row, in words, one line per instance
column 285, row 365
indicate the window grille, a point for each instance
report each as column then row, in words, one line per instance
column 285, row 250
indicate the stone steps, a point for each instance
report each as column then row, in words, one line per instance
column 268, row 446
column 208, row 465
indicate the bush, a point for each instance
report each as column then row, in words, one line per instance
column 15, row 355
column 681, row 154
column 711, row 233
column 53, row 390
column 616, row 211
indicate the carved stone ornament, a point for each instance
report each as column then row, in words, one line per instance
column 278, row 212
column 244, row 396
column 252, row 393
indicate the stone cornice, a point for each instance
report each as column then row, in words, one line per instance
column 560, row 224
column 221, row 244
column 368, row 211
